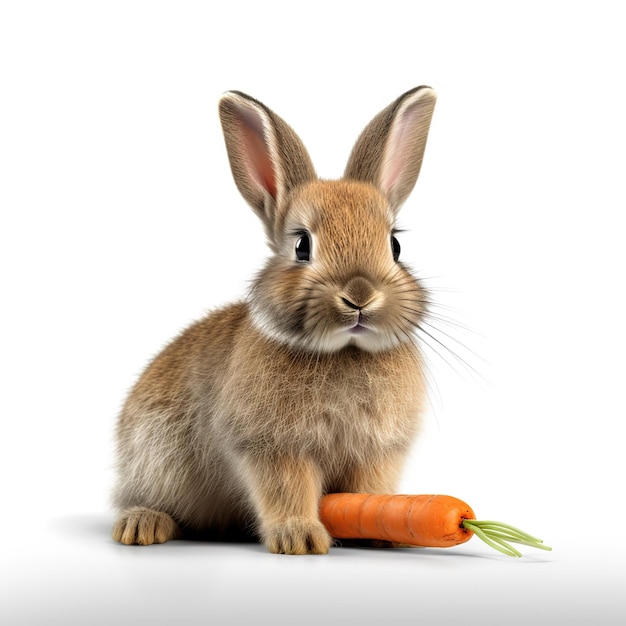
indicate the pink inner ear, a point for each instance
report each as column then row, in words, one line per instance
column 397, row 153
column 257, row 158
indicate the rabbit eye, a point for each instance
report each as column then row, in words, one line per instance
column 395, row 247
column 303, row 248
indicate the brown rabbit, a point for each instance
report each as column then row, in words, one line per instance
column 312, row 384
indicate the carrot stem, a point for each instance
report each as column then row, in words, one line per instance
column 491, row 525
column 499, row 536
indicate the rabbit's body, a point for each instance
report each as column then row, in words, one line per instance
column 313, row 384
column 347, row 417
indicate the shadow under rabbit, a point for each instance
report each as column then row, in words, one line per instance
column 97, row 528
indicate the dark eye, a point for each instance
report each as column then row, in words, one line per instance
column 395, row 247
column 303, row 248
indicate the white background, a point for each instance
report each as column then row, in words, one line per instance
column 120, row 224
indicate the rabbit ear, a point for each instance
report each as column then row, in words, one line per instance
column 266, row 156
column 389, row 151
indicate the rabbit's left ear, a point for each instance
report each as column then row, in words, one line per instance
column 389, row 151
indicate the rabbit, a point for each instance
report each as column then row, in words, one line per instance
column 315, row 382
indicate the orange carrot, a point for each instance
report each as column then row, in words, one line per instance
column 418, row 520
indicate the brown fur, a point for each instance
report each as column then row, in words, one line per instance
column 253, row 413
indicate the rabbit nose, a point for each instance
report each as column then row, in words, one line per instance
column 350, row 304
column 359, row 293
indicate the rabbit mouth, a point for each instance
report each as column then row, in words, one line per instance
column 358, row 328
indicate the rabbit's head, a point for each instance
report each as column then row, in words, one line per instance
column 335, row 278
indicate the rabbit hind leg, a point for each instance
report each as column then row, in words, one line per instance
column 143, row 526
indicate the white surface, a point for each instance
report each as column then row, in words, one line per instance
column 121, row 223
column 77, row 577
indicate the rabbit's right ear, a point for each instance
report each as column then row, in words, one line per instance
column 266, row 156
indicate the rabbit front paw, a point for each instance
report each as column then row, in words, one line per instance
column 297, row 536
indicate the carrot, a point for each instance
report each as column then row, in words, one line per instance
column 418, row 520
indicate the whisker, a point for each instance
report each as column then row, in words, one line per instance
column 433, row 392
column 448, row 315
column 467, row 366
column 451, row 322
column 457, row 341
column 434, row 349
